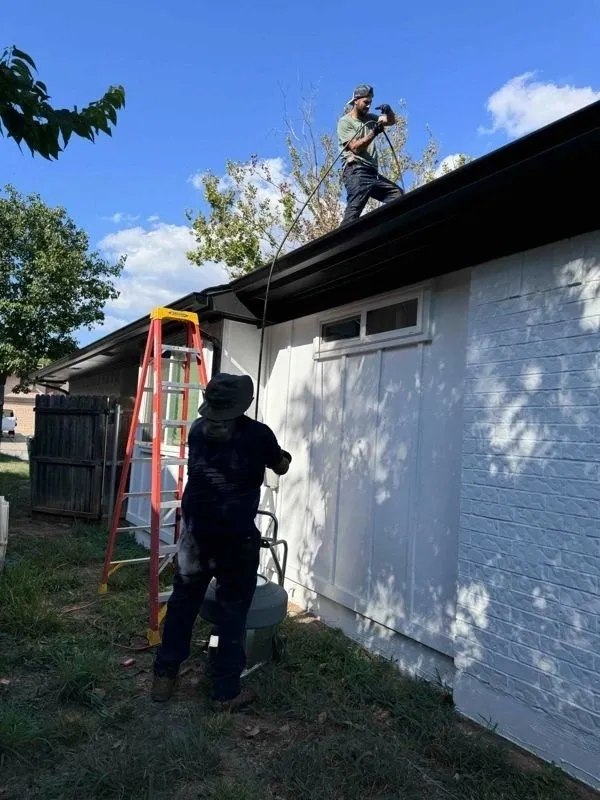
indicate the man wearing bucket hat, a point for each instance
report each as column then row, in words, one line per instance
column 227, row 456
column 357, row 131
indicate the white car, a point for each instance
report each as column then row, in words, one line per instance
column 9, row 422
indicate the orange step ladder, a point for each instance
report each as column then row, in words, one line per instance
column 160, row 554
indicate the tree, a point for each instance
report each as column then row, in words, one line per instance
column 251, row 208
column 50, row 285
column 27, row 116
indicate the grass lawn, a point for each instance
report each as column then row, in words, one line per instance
column 332, row 722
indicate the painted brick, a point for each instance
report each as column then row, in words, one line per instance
column 576, row 506
column 535, row 623
column 492, row 510
column 539, row 519
column 580, row 600
column 492, row 543
column 572, row 468
column 571, row 577
column 516, row 669
column 487, row 675
column 535, row 587
column 580, row 639
column 473, row 522
column 585, row 564
column 566, row 652
column 587, row 489
column 530, row 492
column 541, row 486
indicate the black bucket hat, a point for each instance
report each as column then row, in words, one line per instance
column 227, row 397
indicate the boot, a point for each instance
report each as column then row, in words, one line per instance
column 237, row 703
column 162, row 688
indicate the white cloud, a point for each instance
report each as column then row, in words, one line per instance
column 120, row 217
column 523, row 104
column 153, row 218
column 267, row 175
column 156, row 270
column 450, row 163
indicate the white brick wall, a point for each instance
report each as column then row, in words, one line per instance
column 528, row 620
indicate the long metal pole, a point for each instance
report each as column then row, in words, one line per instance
column 114, row 456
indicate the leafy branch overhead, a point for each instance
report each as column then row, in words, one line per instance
column 26, row 114
column 249, row 210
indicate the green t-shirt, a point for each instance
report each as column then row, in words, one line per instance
column 348, row 128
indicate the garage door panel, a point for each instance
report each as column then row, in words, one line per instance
column 318, row 547
column 360, row 413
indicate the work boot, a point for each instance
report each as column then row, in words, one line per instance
column 162, row 688
column 237, row 703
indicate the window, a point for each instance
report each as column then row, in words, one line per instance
column 392, row 318
column 348, row 328
column 387, row 322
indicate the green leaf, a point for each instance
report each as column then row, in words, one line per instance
column 28, row 59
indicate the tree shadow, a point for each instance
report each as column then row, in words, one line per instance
column 528, row 618
column 371, row 540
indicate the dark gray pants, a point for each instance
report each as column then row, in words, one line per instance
column 363, row 182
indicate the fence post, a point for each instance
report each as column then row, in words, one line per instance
column 3, row 529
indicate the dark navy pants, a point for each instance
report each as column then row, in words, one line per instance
column 233, row 560
column 363, row 182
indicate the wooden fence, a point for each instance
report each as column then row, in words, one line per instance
column 68, row 455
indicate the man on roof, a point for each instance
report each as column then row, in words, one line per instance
column 357, row 131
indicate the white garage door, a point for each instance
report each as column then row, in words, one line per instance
column 369, row 401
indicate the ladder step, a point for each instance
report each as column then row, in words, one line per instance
column 164, row 596
column 167, row 550
column 178, row 385
column 147, row 494
column 170, row 504
column 177, row 349
column 167, row 461
column 130, row 528
column 176, row 423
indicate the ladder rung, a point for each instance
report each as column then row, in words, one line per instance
column 170, row 504
column 164, row 596
column 167, row 461
column 147, row 494
column 176, row 423
column 177, row 385
column 178, row 349
column 166, row 550
column 130, row 528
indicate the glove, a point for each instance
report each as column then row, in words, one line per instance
column 384, row 108
column 287, row 455
column 378, row 128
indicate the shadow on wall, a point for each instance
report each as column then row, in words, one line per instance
column 370, row 506
column 528, row 621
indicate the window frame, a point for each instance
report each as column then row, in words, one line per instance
column 421, row 332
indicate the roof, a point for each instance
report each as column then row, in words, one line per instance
column 523, row 195
column 124, row 344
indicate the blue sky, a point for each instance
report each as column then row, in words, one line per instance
column 201, row 91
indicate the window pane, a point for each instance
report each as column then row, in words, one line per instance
column 392, row 318
column 341, row 329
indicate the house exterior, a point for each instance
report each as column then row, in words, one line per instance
column 22, row 405
column 434, row 369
